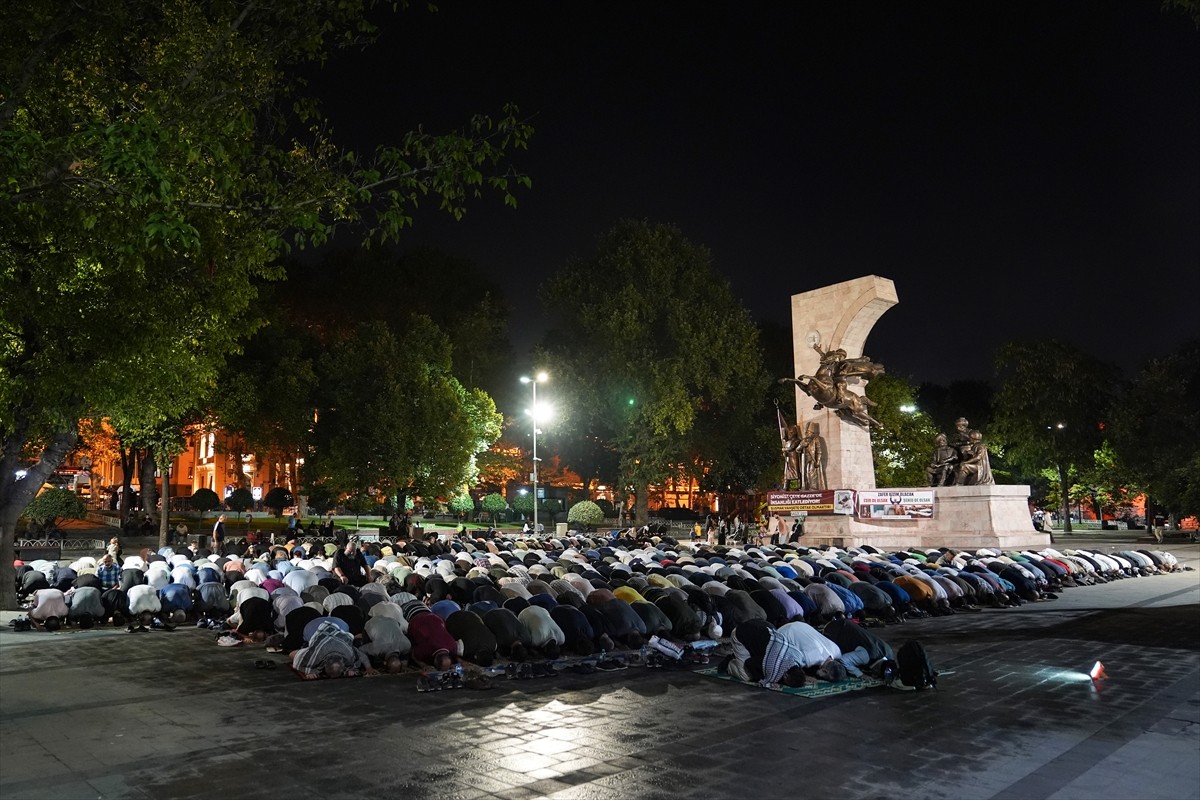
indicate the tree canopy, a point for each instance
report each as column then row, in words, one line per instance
column 392, row 416
column 1156, row 429
column 1052, row 406
column 159, row 156
column 648, row 339
column 903, row 444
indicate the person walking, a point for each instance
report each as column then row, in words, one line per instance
column 218, row 535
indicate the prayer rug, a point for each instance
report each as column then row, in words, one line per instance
column 813, row 688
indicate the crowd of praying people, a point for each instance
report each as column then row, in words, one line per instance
column 498, row 603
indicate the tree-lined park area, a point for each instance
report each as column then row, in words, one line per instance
column 188, row 244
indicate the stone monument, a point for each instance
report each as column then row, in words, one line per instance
column 829, row 330
column 838, row 317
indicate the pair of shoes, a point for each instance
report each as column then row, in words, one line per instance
column 20, row 624
column 544, row 669
column 450, row 680
column 582, row 668
column 264, row 663
column 228, row 641
column 424, row 684
column 610, row 665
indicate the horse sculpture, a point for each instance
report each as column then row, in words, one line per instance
column 828, row 385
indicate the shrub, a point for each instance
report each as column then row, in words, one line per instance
column 321, row 499
column 53, row 505
column 523, row 503
column 586, row 513
column 241, row 500
column 205, row 500
column 278, row 499
column 462, row 504
column 495, row 503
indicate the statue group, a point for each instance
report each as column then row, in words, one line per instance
column 804, row 456
column 829, row 385
column 960, row 459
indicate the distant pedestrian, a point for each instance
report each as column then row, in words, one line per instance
column 218, row 535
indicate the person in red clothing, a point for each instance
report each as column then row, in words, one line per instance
column 431, row 643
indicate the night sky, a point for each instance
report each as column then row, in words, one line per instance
column 1019, row 170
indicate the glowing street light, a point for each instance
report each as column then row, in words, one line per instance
column 536, row 412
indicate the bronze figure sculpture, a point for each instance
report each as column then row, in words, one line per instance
column 960, row 460
column 812, row 458
column 974, row 466
column 941, row 468
column 828, row 385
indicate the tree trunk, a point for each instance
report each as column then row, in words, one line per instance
column 147, row 484
column 164, row 521
column 128, row 460
column 1065, row 488
column 15, row 496
column 641, row 511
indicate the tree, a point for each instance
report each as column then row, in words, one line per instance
column 494, row 504
column 1155, row 431
column 586, row 513
column 334, row 293
column 462, row 504
column 902, row 444
column 523, row 503
column 361, row 503
column 54, row 505
column 240, row 500
column 265, row 395
column 394, row 418
column 159, row 157
column 647, row 338
column 1051, row 407
column 204, row 500
column 278, row 499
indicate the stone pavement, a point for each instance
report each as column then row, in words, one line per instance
column 104, row 714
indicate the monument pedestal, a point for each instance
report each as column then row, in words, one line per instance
column 965, row 518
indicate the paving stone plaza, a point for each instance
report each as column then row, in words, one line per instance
column 105, row 714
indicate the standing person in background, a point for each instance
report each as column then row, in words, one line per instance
column 218, row 536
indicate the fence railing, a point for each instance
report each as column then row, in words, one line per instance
column 65, row 544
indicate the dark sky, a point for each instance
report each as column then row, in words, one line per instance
column 1019, row 170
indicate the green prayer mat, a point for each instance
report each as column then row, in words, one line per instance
column 814, row 688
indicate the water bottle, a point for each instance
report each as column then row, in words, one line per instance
column 644, row 654
column 458, row 669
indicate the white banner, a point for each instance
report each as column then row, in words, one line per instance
column 896, row 504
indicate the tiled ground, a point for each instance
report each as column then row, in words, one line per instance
column 170, row 715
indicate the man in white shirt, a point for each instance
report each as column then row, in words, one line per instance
column 49, row 610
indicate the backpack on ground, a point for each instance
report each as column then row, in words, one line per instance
column 915, row 668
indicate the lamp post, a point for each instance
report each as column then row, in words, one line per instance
column 540, row 377
column 1062, row 475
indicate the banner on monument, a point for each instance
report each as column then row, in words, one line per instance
column 826, row 501
column 896, row 504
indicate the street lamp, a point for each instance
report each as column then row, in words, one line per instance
column 534, row 412
column 1062, row 475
